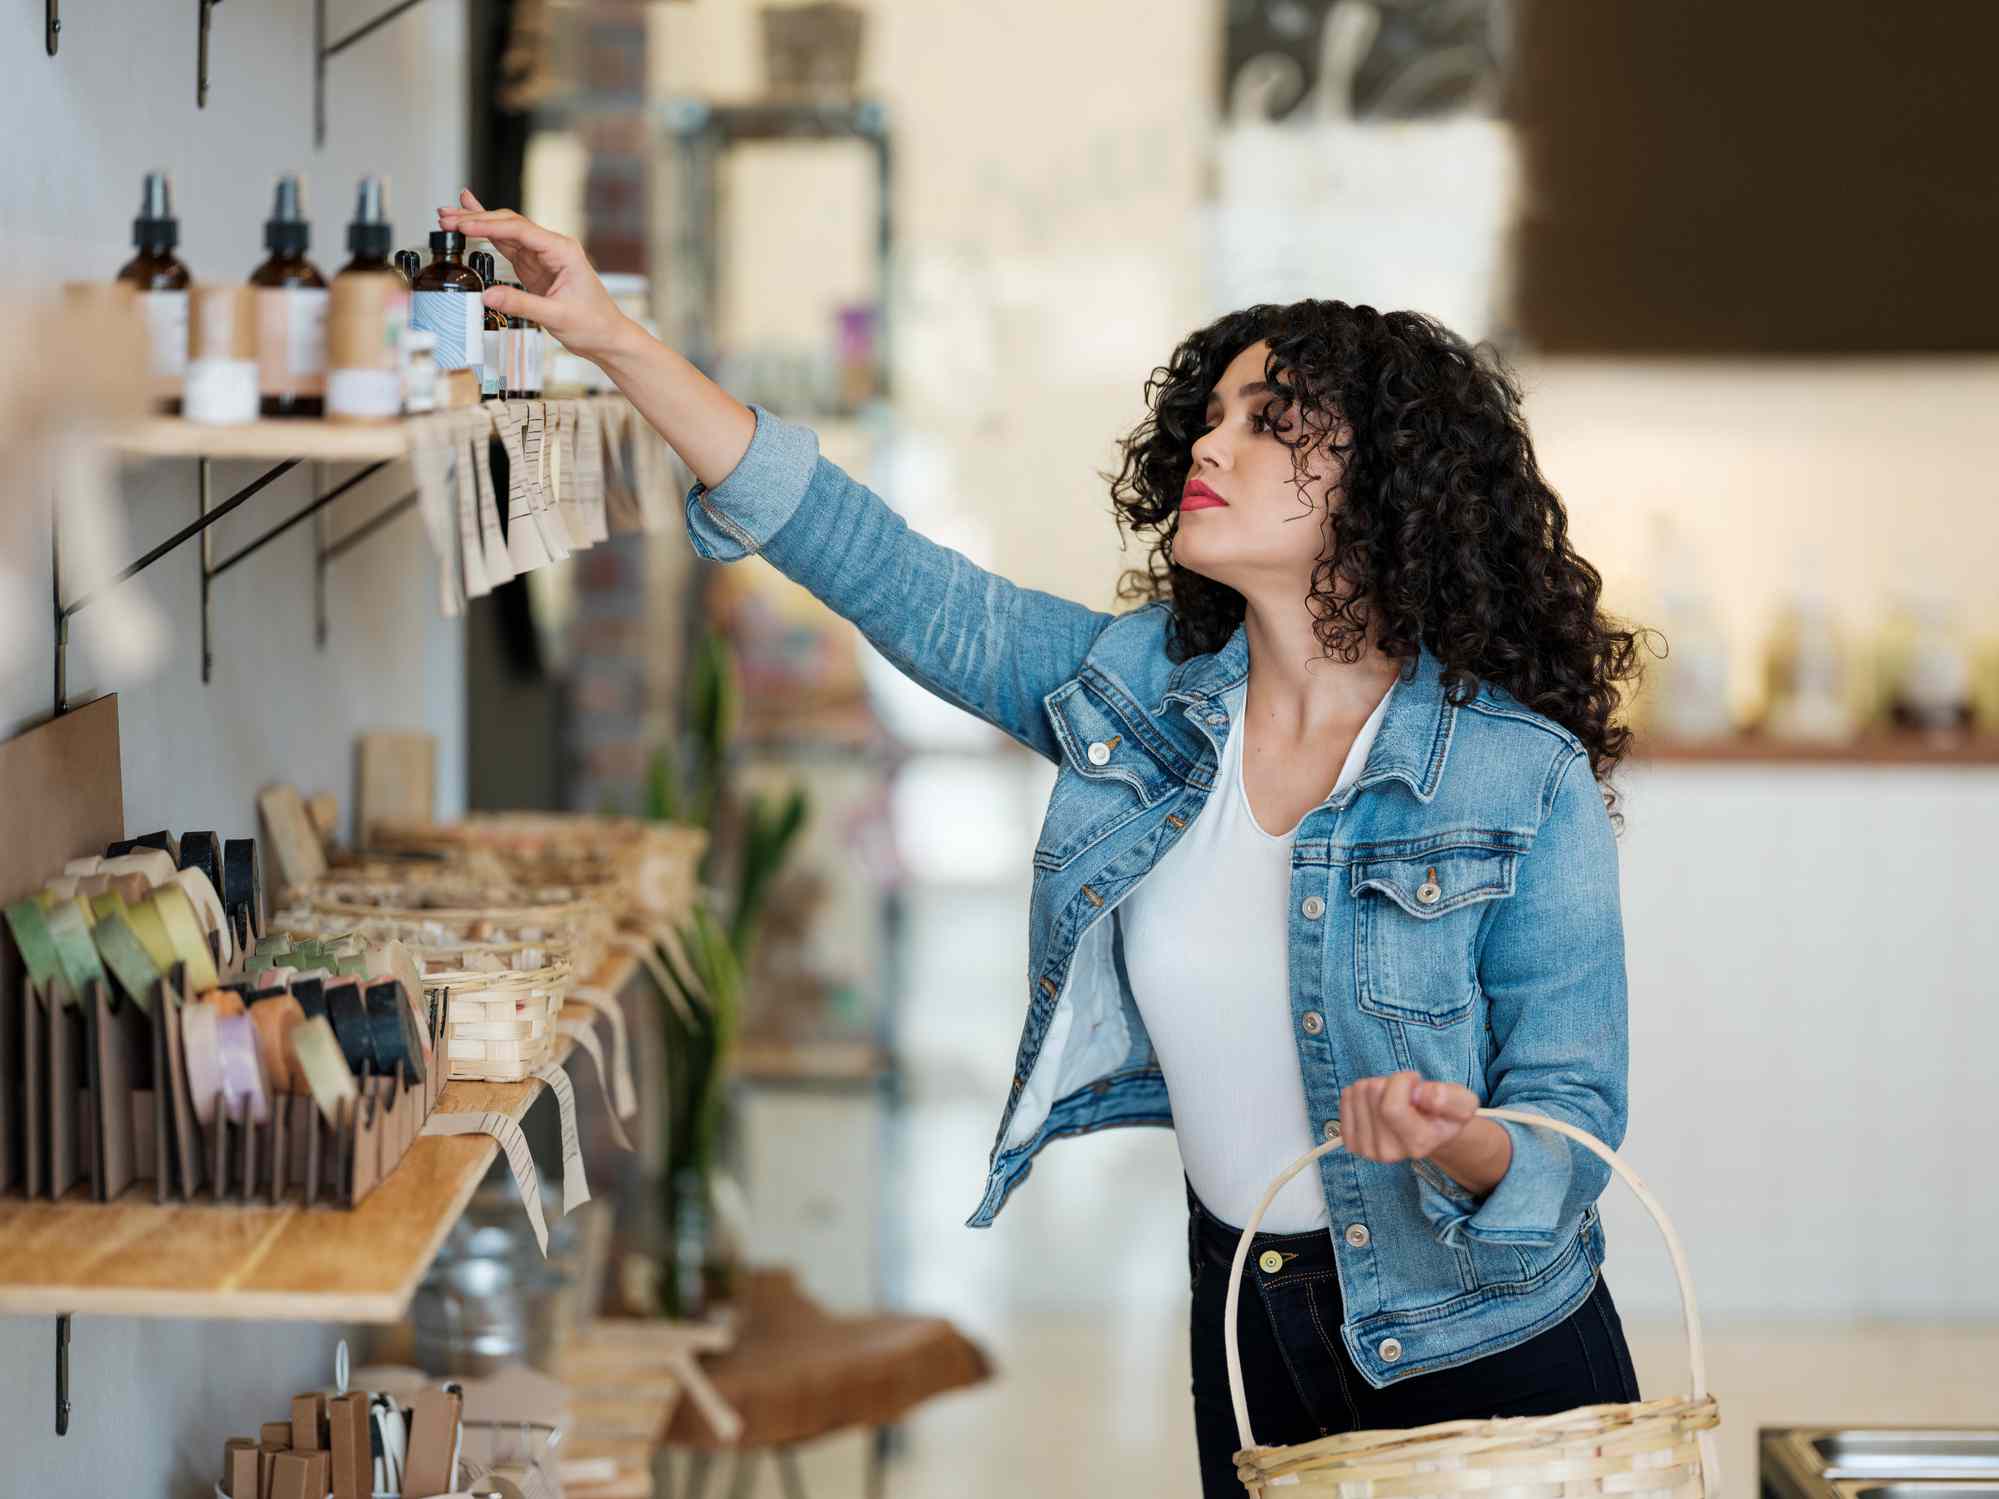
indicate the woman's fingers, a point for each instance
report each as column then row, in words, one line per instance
column 512, row 231
column 543, row 310
column 1400, row 1128
column 1451, row 1101
column 466, row 199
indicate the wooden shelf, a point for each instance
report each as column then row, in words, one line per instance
column 272, row 439
column 1913, row 750
column 134, row 1258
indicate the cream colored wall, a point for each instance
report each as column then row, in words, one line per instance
column 1860, row 479
column 1052, row 162
column 1049, row 160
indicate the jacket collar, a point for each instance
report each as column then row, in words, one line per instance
column 1415, row 734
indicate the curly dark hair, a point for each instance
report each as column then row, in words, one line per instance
column 1446, row 532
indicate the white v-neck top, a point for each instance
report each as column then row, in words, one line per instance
column 1206, row 946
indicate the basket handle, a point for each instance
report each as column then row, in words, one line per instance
column 1696, row 1358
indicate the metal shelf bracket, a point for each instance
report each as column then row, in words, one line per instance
column 322, row 50
column 207, row 515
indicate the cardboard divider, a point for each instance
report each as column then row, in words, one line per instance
column 106, row 1107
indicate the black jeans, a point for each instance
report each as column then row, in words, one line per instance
column 1301, row 1383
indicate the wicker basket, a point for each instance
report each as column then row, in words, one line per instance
column 1652, row 1449
column 499, row 1026
column 573, row 919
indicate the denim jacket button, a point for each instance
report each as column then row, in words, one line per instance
column 1313, row 1022
column 1390, row 1350
column 1312, row 907
column 1100, row 753
column 1332, row 1130
column 1357, row 1235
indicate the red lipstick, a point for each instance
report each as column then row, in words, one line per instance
column 1197, row 496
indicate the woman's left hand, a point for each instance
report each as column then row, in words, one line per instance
column 1403, row 1116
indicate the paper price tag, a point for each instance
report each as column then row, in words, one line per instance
column 527, row 1181
column 585, row 1036
column 606, row 1003
column 575, row 1190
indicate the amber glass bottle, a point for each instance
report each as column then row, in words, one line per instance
column 162, row 282
column 291, row 312
column 444, row 299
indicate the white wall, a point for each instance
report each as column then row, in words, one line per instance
column 155, row 1400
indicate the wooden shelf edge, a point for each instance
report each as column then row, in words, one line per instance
column 296, row 1264
column 272, row 438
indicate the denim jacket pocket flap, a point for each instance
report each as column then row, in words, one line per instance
column 1099, row 745
column 1435, row 884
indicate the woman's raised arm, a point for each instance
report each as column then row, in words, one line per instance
column 966, row 634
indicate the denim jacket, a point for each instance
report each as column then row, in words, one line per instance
column 1453, row 910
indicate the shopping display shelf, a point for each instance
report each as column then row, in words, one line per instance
column 1904, row 749
column 290, row 1263
column 273, row 439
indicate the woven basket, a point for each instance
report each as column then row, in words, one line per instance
column 568, row 918
column 1651, row 1449
column 499, row 1027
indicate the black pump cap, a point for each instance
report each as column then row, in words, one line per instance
column 286, row 231
column 446, row 242
column 156, row 227
column 409, row 263
column 370, row 233
column 481, row 262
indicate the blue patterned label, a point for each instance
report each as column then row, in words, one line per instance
column 458, row 318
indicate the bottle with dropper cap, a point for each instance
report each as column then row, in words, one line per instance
column 162, row 283
column 291, row 311
column 445, row 300
column 368, row 318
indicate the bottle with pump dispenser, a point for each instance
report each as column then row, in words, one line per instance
column 493, row 338
column 291, row 311
column 369, row 318
column 445, row 300
column 162, row 283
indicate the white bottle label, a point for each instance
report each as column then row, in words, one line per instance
column 489, row 372
column 291, row 340
column 458, row 319
column 166, row 331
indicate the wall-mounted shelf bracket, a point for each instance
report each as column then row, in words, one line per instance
column 201, row 526
column 62, row 1375
column 201, row 53
column 322, row 50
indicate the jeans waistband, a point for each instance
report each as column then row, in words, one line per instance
column 1215, row 1241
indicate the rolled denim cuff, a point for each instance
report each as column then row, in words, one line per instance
column 742, row 513
column 1525, row 1208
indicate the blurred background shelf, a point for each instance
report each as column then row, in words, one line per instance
column 1873, row 749
column 287, row 1263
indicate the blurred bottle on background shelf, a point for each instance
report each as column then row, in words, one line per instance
column 1809, row 687
column 1685, row 694
column 1925, row 670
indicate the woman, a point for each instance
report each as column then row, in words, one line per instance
column 1326, row 853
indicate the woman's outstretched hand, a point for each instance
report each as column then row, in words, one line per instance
column 562, row 292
